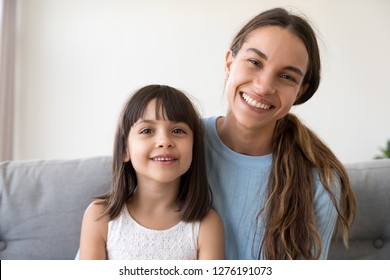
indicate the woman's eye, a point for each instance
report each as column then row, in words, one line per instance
column 254, row 62
column 288, row 77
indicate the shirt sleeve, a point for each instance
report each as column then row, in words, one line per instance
column 326, row 214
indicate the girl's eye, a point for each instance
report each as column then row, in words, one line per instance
column 178, row 131
column 146, row 131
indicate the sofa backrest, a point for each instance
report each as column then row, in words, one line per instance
column 42, row 204
column 370, row 234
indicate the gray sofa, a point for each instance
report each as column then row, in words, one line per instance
column 42, row 204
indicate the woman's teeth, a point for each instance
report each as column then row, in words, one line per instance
column 254, row 103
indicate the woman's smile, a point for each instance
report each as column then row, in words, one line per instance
column 254, row 103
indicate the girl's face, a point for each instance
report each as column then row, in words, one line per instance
column 265, row 77
column 159, row 150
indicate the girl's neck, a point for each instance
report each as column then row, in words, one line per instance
column 155, row 207
column 243, row 140
column 152, row 196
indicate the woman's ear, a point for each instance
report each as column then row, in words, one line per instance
column 302, row 91
column 228, row 62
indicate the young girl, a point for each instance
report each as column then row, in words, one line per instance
column 159, row 203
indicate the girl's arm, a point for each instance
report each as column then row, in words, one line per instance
column 93, row 234
column 211, row 237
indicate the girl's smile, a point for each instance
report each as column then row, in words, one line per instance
column 164, row 158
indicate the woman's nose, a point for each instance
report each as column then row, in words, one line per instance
column 264, row 84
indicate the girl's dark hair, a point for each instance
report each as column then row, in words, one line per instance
column 290, row 228
column 194, row 199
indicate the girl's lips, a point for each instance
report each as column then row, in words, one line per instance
column 254, row 103
column 164, row 158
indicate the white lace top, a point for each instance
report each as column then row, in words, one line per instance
column 127, row 240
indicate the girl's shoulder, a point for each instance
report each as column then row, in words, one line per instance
column 211, row 217
column 95, row 210
column 94, row 232
column 211, row 236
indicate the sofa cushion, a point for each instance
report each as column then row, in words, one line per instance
column 370, row 232
column 42, row 203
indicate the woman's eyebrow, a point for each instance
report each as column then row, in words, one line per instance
column 295, row 69
column 265, row 57
column 258, row 52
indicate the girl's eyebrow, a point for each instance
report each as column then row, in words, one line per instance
column 144, row 121
column 140, row 121
column 265, row 57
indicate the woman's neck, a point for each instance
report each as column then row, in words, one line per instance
column 244, row 140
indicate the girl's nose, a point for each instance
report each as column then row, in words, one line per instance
column 164, row 141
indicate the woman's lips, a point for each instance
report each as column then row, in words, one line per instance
column 254, row 103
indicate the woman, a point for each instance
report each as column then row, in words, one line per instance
column 279, row 189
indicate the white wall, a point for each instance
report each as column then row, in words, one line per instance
column 79, row 59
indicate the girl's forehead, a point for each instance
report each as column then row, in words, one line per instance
column 155, row 110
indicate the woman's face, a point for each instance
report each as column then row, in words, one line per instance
column 265, row 77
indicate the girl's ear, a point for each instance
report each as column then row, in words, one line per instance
column 127, row 156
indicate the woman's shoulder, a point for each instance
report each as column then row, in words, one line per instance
column 333, row 179
column 209, row 122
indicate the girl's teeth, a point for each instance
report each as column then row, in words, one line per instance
column 163, row 159
column 254, row 103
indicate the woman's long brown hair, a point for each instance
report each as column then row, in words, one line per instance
column 290, row 225
column 290, row 230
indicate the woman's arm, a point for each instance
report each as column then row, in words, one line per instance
column 211, row 237
column 93, row 234
column 326, row 214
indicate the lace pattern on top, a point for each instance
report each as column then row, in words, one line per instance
column 128, row 240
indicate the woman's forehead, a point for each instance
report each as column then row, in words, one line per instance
column 275, row 43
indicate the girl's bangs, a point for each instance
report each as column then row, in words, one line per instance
column 173, row 109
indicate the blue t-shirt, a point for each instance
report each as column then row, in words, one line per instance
column 239, row 185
